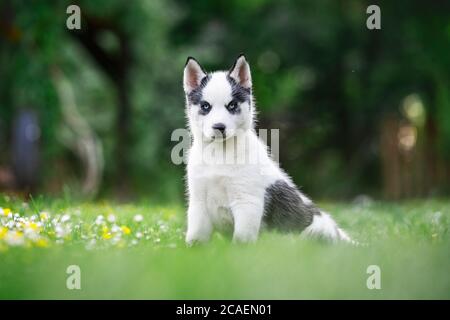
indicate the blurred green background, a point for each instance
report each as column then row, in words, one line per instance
column 90, row 112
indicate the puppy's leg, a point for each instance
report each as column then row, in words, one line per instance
column 247, row 221
column 199, row 225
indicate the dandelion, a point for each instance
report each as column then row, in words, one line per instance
column 126, row 230
column 5, row 211
column 138, row 218
column 33, row 226
column 107, row 235
column 3, row 232
column 43, row 216
column 42, row 243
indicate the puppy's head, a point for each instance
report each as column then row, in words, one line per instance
column 219, row 104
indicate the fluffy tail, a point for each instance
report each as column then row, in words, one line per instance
column 323, row 226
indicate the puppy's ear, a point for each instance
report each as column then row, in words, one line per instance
column 193, row 75
column 240, row 72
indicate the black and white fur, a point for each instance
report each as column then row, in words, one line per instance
column 246, row 196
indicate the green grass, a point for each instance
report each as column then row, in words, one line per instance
column 409, row 241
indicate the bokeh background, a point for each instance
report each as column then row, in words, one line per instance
column 362, row 113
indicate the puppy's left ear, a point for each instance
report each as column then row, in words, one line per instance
column 240, row 72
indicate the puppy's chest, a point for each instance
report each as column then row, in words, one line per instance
column 218, row 199
column 217, row 192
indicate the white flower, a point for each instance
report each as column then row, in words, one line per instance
column 65, row 218
column 99, row 220
column 14, row 238
column 115, row 228
column 139, row 235
column 111, row 218
column 61, row 232
column 138, row 218
column 31, row 234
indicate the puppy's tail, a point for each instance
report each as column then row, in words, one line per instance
column 324, row 227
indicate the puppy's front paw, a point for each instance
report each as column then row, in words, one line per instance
column 245, row 237
column 192, row 239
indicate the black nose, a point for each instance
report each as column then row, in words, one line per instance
column 219, row 126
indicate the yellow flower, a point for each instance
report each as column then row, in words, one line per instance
column 33, row 226
column 3, row 232
column 106, row 236
column 42, row 243
column 6, row 211
column 105, row 229
column 125, row 230
column 43, row 215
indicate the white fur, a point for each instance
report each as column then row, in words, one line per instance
column 324, row 226
column 231, row 194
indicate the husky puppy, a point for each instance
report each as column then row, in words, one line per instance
column 242, row 194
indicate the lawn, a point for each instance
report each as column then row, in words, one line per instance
column 136, row 251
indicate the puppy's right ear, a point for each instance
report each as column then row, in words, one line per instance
column 193, row 75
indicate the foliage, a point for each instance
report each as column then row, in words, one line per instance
column 319, row 75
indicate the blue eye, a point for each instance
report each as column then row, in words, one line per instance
column 205, row 106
